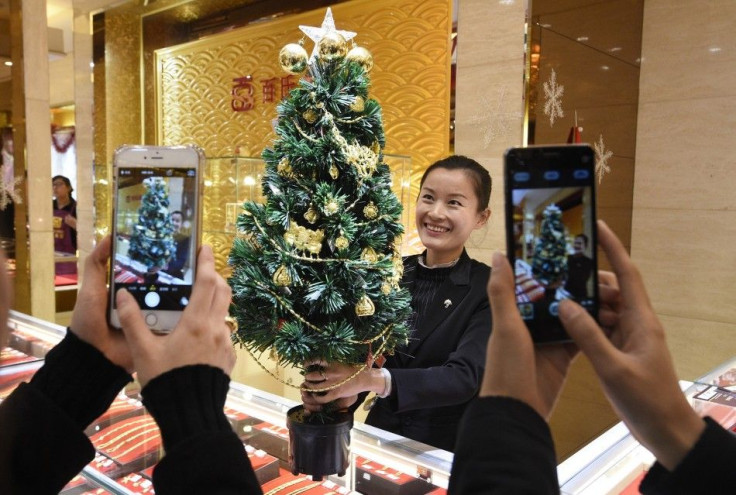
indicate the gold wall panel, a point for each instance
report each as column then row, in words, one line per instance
column 410, row 43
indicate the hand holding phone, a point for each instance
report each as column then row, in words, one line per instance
column 156, row 230
column 551, row 233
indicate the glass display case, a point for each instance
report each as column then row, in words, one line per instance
column 615, row 463
column 128, row 442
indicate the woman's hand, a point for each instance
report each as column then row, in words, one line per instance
column 326, row 375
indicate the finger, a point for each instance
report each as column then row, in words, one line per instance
column 632, row 287
column 203, row 291
column 608, row 295
column 501, row 294
column 134, row 327
column 586, row 333
column 607, row 317
column 222, row 299
column 95, row 267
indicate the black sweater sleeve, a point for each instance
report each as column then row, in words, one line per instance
column 203, row 453
column 42, row 445
column 709, row 467
column 503, row 446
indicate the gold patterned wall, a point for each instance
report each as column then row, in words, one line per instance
column 410, row 43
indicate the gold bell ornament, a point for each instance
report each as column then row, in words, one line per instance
column 365, row 306
column 281, row 277
column 293, row 58
column 358, row 105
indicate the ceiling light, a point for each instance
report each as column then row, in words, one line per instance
column 615, row 49
column 605, row 67
column 582, row 38
column 8, row 63
column 714, row 49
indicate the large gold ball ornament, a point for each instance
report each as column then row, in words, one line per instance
column 332, row 46
column 358, row 105
column 365, row 306
column 362, row 57
column 293, row 58
column 334, row 172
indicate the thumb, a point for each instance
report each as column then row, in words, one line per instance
column 586, row 333
column 131, row 320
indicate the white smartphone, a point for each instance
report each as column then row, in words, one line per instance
column 156, row 229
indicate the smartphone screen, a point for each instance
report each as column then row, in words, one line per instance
column 551, row 233
column 155, row 231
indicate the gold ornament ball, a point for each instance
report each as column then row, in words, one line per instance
column 370, row 211
column 332, row 46
column 310, row 116
column 334, row 172
column 362, row 57
column 358, row 105
column 293, row 58
column 342, row 243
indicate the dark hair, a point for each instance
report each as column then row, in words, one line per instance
column 66, row 181
column 481, row 178
column 177, row 212
column 584, row 238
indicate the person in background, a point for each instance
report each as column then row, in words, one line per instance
column 175, row 267
column 579, row 269
column 504, row 443
column 425, row 386
column 65, row 222
column 184, row 379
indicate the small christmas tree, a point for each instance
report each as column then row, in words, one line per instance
column 549, row 262
column 316, row 269
column 152, row 241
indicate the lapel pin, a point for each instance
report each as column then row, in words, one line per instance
column 448, row 303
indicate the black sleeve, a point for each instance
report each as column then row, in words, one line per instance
column 503, row 446
column 710, row 467
column 42, row 445
column 203, row 453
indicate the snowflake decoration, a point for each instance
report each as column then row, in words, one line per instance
column 9, row 188
column 553, row 98
column 602, row 155
column 494, row 119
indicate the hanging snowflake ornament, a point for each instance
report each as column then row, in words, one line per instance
column 602, row 155
column 328, row 27
column 495, row 118
column 553, row 98
column 9, row 187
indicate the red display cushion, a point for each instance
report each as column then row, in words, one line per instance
column 269, row 438
column 288, row 483
column 133, row 444
column 373, row 478
column 136, row 483
column 265, row 466
column 10, row 355
column 122, row 407
column 633, row 487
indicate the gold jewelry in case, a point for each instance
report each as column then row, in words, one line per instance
column 147, row 420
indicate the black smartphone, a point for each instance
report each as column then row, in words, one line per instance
column 156, row 229
column 551, row 235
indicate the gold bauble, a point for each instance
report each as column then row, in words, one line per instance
column 365, row 306
column 358, row 105
column 312, row 215
column 342, row 243
column 376, row 147
column 331, row 207
column 310, row 116
column 370, row 211
column 334, row 172
column 332, row 46
column 369, row 255
column 282, row 277
column 293, row 58
column 284, row 168
column 386, row 288
column 362, row 57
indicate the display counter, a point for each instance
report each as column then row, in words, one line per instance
column 128, row 443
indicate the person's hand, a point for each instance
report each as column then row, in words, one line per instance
column 200, row 337
column 634, row 364
column 6, row 300
column 89, row 319
column 330, row 374
column 71, row 221
column 515, row 367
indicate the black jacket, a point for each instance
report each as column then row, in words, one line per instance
column 439, row 372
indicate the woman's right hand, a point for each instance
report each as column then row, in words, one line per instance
column 326, row 375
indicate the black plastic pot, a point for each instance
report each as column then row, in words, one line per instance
column 318, row 449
